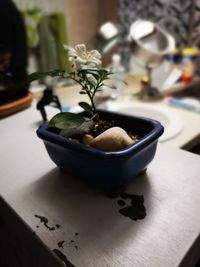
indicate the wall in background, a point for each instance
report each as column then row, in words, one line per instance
column 86, row 16
column 82, row 20
column 83, row 17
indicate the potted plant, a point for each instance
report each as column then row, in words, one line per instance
column 106, row 149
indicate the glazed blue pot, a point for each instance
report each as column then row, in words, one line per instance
column 106, row 171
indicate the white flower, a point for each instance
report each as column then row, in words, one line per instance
column 81, row 57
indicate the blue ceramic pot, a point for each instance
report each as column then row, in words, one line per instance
column 107, row 171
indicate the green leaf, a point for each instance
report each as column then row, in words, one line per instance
column 95, row 75
column 97, row 71
column 103, row 72
column 86, row 107
column 66, row 120
column 36, row 76
column 53, row 73
column 56, row 72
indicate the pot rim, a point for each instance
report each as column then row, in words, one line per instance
column 153, row 135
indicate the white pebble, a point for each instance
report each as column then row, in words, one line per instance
column 112, row 139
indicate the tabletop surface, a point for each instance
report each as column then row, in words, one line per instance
column 154, row 222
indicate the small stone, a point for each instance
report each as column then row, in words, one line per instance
column 112, row 139
column 87, row 138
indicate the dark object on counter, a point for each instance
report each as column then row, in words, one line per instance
column 148, row 92
column 48, row 99
column 13, row 53
column 15, row 105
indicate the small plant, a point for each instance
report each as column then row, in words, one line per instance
column 86, row 71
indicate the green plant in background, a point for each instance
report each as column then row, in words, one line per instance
column 88, row 73
column 32, row 17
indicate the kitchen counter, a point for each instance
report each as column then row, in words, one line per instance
column 51, row 218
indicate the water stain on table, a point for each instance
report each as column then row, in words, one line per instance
column 60, row 244
column 136, row 210
column 113, row 195
column 63, row 257
column 44, row 220
column 73, row 242
column 121, row 202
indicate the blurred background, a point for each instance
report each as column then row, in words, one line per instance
column 62, row 21
column 32, row 34
column 83, row 18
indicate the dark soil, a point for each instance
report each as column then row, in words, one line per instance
column 103, row 125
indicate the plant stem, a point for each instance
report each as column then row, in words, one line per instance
column 91, row 97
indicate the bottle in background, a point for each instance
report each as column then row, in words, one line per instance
column 188, row 64
column 117, row 77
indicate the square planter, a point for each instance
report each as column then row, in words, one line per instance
column 106, row 171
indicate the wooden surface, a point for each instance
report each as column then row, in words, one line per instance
column 94, row 231
column 15, row 105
